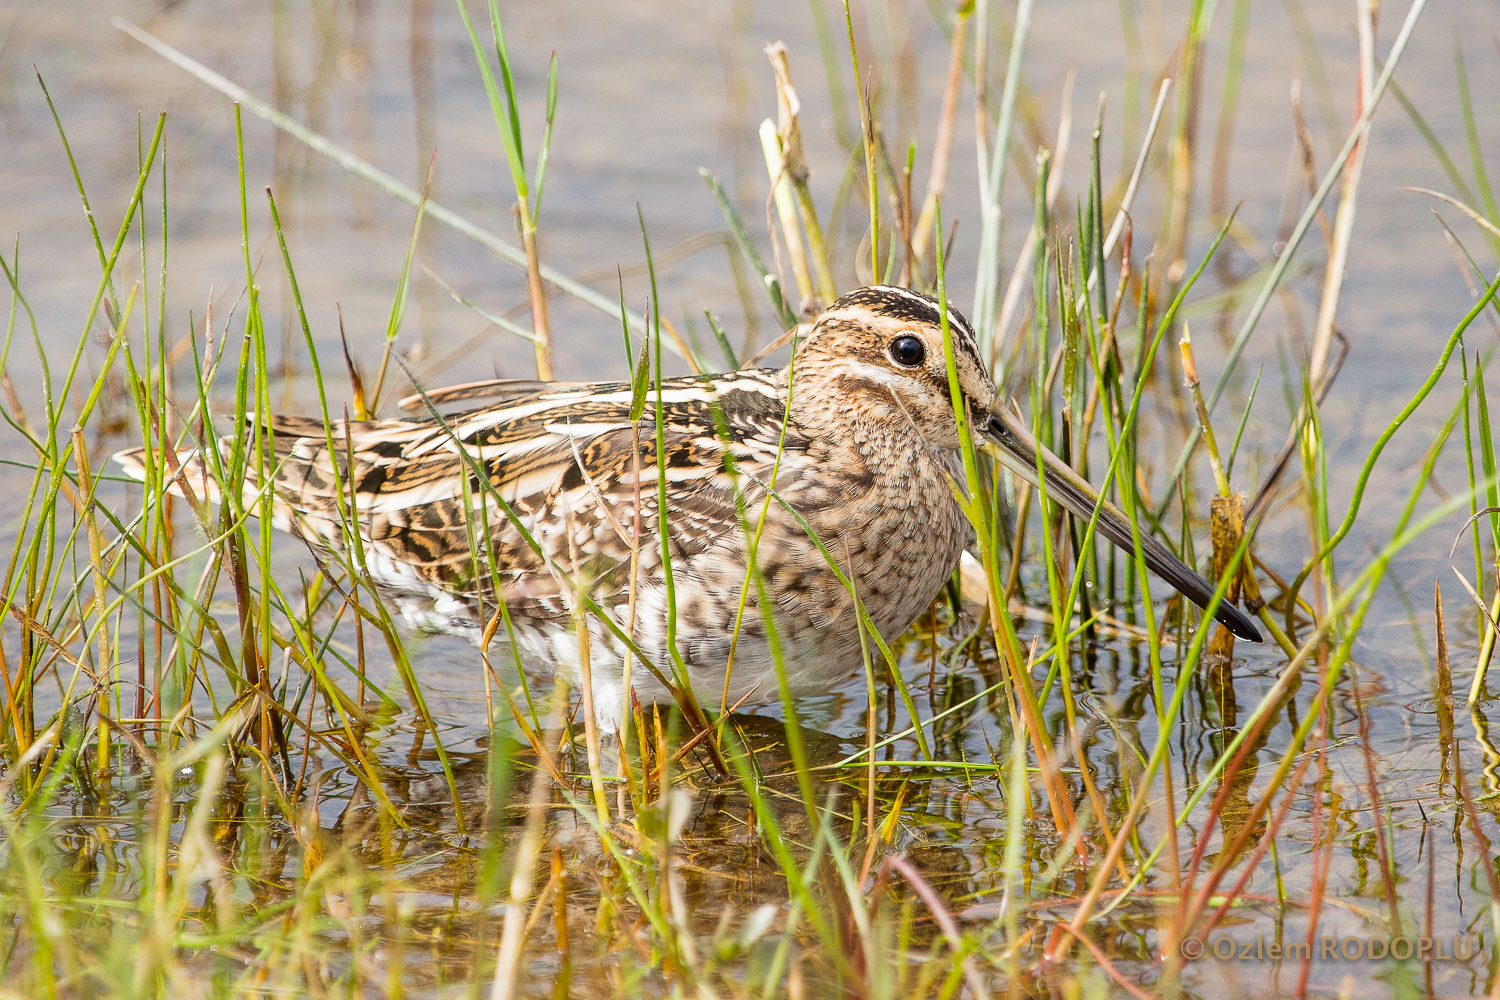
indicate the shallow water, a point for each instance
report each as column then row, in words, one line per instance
column 647, row 95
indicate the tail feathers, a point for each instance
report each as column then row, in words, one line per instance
column 308, row 494
column 187, row 475
column 403, row 508
column 189, row 479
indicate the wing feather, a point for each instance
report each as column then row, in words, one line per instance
column 564, row 458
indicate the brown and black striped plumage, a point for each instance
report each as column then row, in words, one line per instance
column 857, row 437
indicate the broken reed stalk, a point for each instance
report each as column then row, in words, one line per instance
column 791, row 169
column 1228, row 507
column 786, row 211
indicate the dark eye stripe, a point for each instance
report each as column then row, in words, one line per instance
column 903, row 304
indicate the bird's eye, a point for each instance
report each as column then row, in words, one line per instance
column 908, row 351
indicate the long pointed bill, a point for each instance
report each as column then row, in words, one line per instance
column 1019, row 451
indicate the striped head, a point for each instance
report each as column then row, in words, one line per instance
column 877, row 353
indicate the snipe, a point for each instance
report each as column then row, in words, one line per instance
column 856, row 439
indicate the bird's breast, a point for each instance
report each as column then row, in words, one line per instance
column 897, row 532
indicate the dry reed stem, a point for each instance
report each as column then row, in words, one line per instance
column 942, row 143
column 523, row 871
column 1343, row 220
column 785, row 212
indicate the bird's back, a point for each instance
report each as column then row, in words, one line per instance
column 550, row 488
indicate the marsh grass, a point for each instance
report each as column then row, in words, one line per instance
column 209, row 789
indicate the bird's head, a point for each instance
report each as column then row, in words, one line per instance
column 878, row 352
column 875, row 359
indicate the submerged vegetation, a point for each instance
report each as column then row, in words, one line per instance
column 226, row 772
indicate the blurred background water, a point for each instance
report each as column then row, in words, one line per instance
column 650, row 93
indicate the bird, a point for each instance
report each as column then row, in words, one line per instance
column 837, row 472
